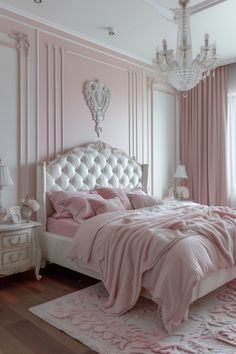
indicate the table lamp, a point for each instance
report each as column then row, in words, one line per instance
column 5, row 179
column 180, row 172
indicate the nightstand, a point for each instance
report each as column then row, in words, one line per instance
column 19, row 248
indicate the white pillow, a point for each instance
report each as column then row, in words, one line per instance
column 106, row 205
column 143, row 201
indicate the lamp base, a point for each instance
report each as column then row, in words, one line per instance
column 182, row 192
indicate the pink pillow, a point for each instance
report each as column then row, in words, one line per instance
column 104, row 206
column 131, row 192
column 108, row 193
column 79, row 205
column 57, row 197
column 143, row 201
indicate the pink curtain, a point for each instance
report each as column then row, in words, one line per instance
column 203, row 116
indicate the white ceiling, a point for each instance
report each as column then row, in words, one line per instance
column 139, row 27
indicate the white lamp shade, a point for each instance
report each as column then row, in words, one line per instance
column 180, row 172
column 5, row 177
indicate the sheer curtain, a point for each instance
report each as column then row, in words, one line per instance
column 231, row 136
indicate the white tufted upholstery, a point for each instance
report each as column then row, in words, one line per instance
column 95, row 164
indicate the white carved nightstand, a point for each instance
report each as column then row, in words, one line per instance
column 19, row 248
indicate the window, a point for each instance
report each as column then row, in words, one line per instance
column 231, row 135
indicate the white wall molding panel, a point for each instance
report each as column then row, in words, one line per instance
column 14, row 148
column 161, row 128
column 23, row 46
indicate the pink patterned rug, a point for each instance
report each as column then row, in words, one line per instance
column 211, row 327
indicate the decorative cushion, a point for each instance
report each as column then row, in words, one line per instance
column 108, row 193
column 79, row 205
column 143, row 200
column 104, row 206
column 58, row 197
column 131, row 192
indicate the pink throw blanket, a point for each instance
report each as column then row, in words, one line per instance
column 165, row 251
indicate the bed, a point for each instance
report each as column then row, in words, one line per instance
column 84, row 168
column 91, row 164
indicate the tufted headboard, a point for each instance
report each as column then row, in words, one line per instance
column 84, row 168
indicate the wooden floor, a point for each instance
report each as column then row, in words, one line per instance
column 23, row 333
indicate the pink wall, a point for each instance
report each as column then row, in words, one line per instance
column 53, row 115
column 64, row 67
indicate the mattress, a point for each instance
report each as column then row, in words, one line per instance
column 65, row 227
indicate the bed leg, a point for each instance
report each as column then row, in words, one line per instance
column 43, row 263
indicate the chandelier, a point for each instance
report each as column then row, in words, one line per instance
column 182, row 71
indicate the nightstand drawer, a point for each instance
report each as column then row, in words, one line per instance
column 15, row 240
column 19, row 248
column 17, row 256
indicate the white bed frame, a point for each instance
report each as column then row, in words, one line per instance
column 83, row 168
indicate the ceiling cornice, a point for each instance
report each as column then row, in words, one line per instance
column 172, row 14
column 227, row 61
column 204, row 5
column 162, row 9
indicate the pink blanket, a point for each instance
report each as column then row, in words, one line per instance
column 163, row 250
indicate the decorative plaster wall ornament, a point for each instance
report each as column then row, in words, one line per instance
column 22, row 41
column 98, row 97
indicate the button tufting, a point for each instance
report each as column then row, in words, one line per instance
column 91, row 165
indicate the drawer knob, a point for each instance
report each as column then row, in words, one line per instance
column 14, row 257
column 15, row 240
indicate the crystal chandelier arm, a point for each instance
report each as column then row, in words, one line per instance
column 166, row 67
column 211, row 64
column 165, row 57
column 205, row 64
column 208, row 57
column 173, row 64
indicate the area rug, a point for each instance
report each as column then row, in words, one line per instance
column 211, row 327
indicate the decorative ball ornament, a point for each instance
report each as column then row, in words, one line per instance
column 182, row 192
column 10, row 215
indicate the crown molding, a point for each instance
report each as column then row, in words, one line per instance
column 227, row 61
column 69, row 31
column 162, row 9
column 172, row 14
column 204, row 5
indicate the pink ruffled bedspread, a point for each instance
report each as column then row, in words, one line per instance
column 165, row 250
